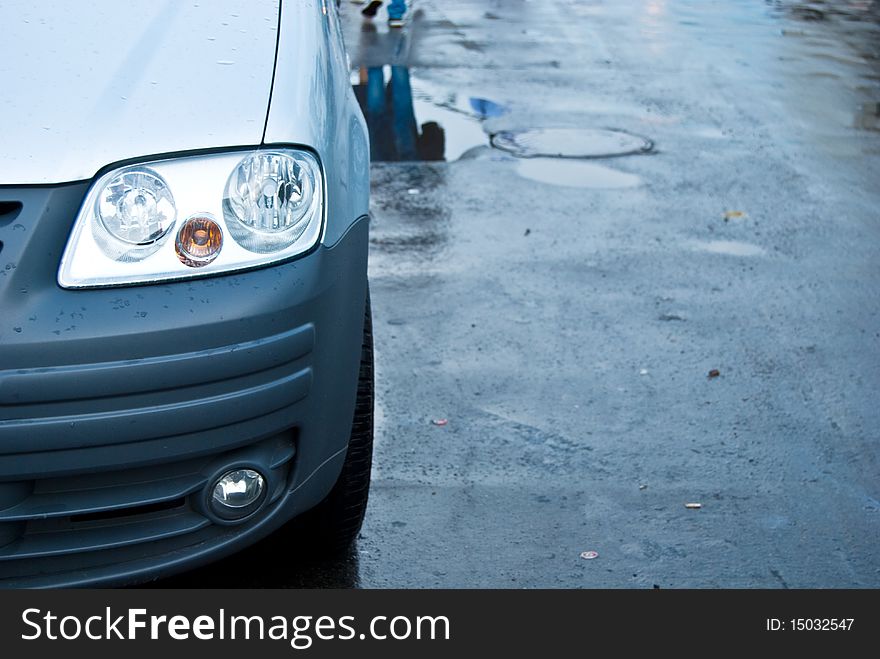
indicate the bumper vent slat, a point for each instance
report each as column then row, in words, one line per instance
column 139, row 424
column 84, row 502
column 81, row 540
column 84, row 381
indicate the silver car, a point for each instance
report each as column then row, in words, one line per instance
column 185, row 338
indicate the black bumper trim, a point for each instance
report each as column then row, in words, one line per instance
column 81, row 381
column 145, row 423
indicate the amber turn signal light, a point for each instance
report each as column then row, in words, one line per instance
column 199, row 241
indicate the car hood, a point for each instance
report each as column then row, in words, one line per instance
column 87, row 84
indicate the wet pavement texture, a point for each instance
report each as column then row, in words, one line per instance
column 612, row 339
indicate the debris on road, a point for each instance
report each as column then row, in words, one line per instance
column 644, row 371
column 733, row 215
column 693, row 506
column 589, row 555
column 527, row 232
column 643, row 487
column 413, row 191
column 439, row 422
column 714, row 373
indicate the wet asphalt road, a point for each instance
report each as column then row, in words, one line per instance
column 564, row 315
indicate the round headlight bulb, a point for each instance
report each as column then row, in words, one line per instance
column 199, row 241
column 237, row 494
column 136, row 207
column 271, row 198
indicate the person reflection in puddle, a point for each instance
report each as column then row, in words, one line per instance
column 394, row 135
column 396, row 11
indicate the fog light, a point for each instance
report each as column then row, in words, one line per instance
column 238, row 493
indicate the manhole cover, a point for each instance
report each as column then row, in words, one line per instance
column 571, row 143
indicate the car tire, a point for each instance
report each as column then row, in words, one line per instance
column 333, row 525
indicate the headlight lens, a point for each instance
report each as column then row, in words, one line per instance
column 136, row 207
column 242, row 210
column 134, row 212
column 269, row 199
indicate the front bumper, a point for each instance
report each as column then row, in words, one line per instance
column 118, row 406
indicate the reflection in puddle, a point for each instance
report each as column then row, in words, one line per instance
column 391, row 119
column 462, row 132
column 407, row 123
column 575, row 174
column 486, row 108
column 728, row 247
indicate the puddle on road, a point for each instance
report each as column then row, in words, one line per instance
column 838, row 42
column 461, row 133
column 561, row 156
column 868, row 116
column 484, row 108
column 571, row 143
column 411, row 120
column 575, row 174
column 728, row 247
column 813, row 11
column 710, row 133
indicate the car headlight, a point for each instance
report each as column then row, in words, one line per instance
column 196, row 215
